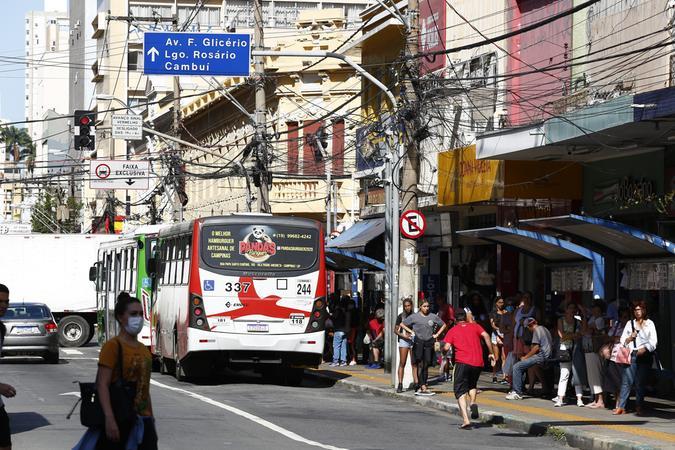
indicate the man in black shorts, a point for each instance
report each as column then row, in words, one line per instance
column 465, row 339
column 5, row 389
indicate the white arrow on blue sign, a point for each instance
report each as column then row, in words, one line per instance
column 226, row 54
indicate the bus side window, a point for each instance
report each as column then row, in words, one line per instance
column 163, row 261
column 179, row 260
column 124, row 268
column 171, row 257
column 186, row 264
column 132, row 270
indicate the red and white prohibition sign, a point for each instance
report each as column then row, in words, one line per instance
column 102, row 171
column 413, row 223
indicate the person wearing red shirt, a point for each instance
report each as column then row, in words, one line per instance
column 465, row 338
column 376, row 329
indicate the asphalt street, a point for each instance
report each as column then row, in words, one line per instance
column 240, row 411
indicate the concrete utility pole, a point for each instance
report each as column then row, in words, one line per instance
column 404, row 190
column 177, row 212
column 260, row 152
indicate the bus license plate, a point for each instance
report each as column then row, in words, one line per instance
column 25, row 330
column 258, row 328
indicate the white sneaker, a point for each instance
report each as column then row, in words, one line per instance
column 556, row 398
column 333, row 364
column 513, row 395
column 343, row 364
column 580, row 403
column 352, row 363
column 558, row 403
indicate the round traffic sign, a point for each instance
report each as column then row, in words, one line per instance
column 102, row 171
column 413, row 223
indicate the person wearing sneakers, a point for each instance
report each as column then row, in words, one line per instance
column 569, row 330
column 465, row 338
column 341, row 326
column 423, row 324
column 405, row 344
column 376, row 330
column 540, row 351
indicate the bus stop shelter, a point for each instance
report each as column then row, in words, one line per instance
column 552, row 250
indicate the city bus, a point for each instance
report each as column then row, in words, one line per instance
column 240, row 291
column 122, row 266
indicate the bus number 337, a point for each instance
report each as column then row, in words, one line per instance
column 237, row 287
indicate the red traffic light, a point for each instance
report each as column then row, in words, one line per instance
column 84, row 120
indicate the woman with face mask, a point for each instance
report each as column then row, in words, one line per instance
column 136, row 366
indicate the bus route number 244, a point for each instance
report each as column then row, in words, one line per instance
column 237, row 287
column 304, row 289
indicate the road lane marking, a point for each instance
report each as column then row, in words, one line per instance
column 74, row 394
column 71, row 351
column 260, row 421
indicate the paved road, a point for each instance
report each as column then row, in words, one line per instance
column 241, row 412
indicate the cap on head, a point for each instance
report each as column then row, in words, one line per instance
column 529, row 321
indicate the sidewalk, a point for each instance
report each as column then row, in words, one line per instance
column 581, row 427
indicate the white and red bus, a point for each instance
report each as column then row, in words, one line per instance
column 240, row 291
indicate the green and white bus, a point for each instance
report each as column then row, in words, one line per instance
column 122, row 266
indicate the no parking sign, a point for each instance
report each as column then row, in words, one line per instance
column 413, row 223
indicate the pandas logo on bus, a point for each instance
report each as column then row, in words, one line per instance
column 257, row 246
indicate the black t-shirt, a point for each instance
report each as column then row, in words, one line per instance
column 401, row 317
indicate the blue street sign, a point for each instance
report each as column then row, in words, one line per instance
column 196, row 54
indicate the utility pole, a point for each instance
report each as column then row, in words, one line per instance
column 260, row 175
column 404, row 186
column 177, row 214
column 407, row 278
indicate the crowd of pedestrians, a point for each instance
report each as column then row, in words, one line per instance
column 598, row 353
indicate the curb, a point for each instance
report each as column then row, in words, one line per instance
column 574, row 438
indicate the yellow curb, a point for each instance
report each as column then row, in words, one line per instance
column 629, row 429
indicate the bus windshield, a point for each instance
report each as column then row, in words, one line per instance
column 264, row 248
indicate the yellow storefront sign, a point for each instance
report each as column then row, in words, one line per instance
column 464, row 179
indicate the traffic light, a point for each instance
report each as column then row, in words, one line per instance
column 85, row 131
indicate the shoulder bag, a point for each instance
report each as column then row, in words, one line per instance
column 621, row 353
column 122, row 395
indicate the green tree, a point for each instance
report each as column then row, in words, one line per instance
column 18, row 143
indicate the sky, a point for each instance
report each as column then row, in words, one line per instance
column 12, row 43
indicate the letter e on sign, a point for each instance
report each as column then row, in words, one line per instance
column 413, row 223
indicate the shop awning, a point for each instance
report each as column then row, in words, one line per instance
column 338, row 259
column 620, row 239
column 355, row 238
column 551, row 249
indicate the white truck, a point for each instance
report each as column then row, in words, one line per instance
column 53, row 269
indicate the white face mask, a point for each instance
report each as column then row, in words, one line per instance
column 134, row 325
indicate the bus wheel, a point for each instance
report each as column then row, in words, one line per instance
column 293, row 376
column 73, row 331
column 164, row 368
column 179, row 373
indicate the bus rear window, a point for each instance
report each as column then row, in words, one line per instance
column 251, row 248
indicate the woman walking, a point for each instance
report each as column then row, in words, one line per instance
column 613, row 373
column 594, row 338
column 498, row 313
column 405, row 344
column 136, row 366
column 640, row 336
column 423, row 324
column 569, row 330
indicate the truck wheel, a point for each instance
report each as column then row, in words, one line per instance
column 73, row 331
